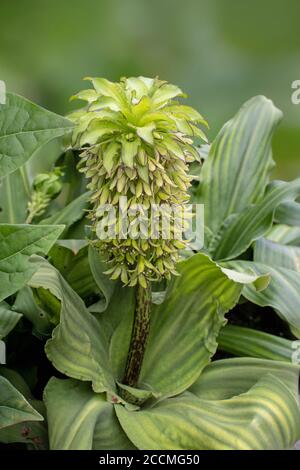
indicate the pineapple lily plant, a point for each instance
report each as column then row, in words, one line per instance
column 122, row 342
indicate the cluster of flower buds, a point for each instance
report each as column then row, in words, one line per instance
column 46, row 186
column 136, row 140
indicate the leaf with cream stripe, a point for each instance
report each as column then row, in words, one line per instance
column 237, row 169
column 264, row 414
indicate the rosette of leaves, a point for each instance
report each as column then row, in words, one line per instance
column 183, row 400
column 137, row 141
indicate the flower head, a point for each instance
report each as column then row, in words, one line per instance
column 136, row 140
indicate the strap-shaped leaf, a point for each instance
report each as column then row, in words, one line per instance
column 8, row 319
column 105, row 284
column 241, row 229
column 237, row 169
column 242, row 341
column 70, row 213
column 229, row 377
column 185, row 326
column 14, row 408
column 79, row 346
column 283, row 293
column 18, row 243
column 288, row 213
column 264, row 415
column 25, row 127
column 80, row 419
column 276, row 254
column 284, row 234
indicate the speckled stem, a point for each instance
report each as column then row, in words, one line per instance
column 140, row 332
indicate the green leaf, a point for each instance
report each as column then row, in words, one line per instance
column 32, row 433
column 242, row 341
column 79, row 419
column 8, row 319
column 14, row 203
column 14, row 408
column 185, row 326
column 237, row 169
column 259, row 283
column 18, row 243
column 240, row 230
column 226, row 378
column 105, row 284
column 282, row 294
column 73, row 264
column 24, row 128
column 275, row 254
column 240, row 408
column 117, row 321
column 78, row 347
column 70, row 213
column 288, row 213
column 26, row 303
column 284, row 234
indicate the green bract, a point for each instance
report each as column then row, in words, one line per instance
column 137, row 140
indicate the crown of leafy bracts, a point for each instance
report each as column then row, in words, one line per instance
column 137, row 141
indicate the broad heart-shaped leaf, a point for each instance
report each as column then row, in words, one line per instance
column 185, row 326
column 241, row 229
column 276, row 254
column 79, row 346
column 237, row 169
column 242, row 341
column 243, row 406
column 80, row 419
column 14, row 408
column 24, row 128
column 14, row 196
column 8, row 319
column 18, row 243
column 283, row 293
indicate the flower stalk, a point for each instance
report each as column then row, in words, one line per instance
column 139, row 336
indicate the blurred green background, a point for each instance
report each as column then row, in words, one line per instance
column 221, row 52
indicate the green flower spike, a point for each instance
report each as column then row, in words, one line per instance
column 136, row 140
column 46, row 187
